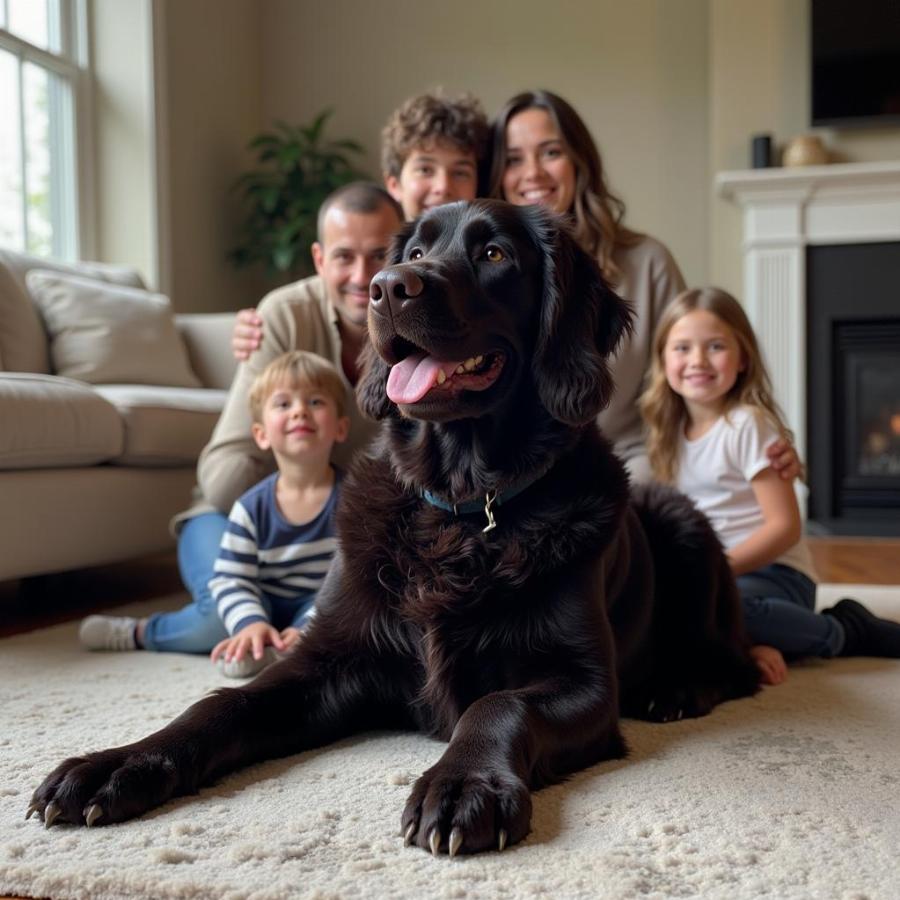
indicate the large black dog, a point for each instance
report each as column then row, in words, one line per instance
column 496, row 584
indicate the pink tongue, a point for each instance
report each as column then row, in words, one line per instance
column 412, row 378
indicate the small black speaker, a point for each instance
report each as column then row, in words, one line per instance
column 761, row 151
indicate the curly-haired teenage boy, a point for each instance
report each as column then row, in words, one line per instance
column 431, row 150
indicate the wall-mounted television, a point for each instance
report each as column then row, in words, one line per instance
column 855, row 52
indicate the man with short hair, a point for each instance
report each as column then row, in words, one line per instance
column 324, row 314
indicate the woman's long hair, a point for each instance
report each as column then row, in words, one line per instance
column 664, row 411
column 596, row 212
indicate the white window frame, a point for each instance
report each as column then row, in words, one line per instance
column 72, row 209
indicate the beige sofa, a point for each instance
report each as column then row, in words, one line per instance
column 106, row 399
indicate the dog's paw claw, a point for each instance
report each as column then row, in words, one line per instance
column 92, row 813
column 409, row 834
column 502, row 838
column 51, row 813
column 455, row 842
column 434, row 841
column 32, row 809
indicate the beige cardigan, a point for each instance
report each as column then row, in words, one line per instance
column 650, row 280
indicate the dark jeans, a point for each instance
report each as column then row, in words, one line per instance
column 779, row 610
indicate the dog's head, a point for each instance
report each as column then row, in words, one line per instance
column 483, row 300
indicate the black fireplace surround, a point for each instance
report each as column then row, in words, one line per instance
column 853, row 388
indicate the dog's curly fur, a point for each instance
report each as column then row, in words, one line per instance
column 519, row 645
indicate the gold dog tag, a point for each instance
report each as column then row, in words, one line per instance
column 489, row 498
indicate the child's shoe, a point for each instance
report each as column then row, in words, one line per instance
column 248, row 666
column 108, row 633
column 865, row 634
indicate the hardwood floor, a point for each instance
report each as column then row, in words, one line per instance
column 50, row 599
column 857, row 560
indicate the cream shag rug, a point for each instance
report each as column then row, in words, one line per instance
column 791, row 794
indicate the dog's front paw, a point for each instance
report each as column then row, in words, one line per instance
column 456, row 810
column 101, row 788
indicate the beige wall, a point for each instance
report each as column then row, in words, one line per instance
column 124, row 186
column 636, row 72
column 671, row 89
column 177, row 97
column 209, row 62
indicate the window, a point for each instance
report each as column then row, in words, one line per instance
column 42, row 71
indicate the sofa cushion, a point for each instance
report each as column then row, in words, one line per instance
column 109, row 334
column 49, row 422
column 163, row 426
column 23, row 342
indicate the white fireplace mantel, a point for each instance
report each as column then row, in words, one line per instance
column 784, row 211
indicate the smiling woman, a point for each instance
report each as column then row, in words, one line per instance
column 543, row 154
column 539, row 168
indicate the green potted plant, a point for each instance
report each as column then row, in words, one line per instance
column 297, row 168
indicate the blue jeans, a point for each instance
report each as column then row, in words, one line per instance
column 779, row 610
column 195, row 628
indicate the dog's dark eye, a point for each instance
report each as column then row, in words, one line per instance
column 416, row 253
column 494, row 254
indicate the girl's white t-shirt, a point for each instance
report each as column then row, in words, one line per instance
column 715, row 471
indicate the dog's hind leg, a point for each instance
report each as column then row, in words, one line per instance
column 699, row 648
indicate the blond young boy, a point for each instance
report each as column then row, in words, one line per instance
column 280, row 535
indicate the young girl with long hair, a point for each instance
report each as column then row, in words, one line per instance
column 710, row 416
column 543, row 153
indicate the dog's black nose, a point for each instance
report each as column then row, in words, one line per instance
column 397, row 285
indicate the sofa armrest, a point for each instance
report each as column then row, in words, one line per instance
column 207, row 337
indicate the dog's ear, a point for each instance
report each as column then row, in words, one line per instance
column 371, row 389
column 582, row 322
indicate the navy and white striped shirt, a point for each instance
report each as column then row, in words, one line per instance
column 265, row 561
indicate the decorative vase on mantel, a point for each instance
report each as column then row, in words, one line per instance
column 805, row 150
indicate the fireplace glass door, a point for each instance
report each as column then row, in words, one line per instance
column 867, row 471
column 853, row 388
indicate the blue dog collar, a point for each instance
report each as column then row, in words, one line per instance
column 491, row 499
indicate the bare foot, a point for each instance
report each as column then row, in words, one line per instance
column 770, row 663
